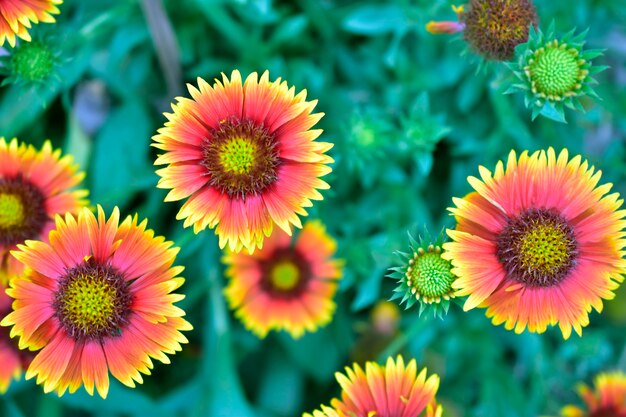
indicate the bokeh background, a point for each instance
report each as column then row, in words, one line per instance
column 410, row 117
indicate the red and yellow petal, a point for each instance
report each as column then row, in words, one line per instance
column 388, row 390
column 16, row 17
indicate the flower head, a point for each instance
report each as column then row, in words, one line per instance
column 16, row 17
column 31, row 63
column 13, row 360
column 553, row 73
column 493, row 28
column 608, row 399
column 426, row 277
column 388, row 390
column 539, row 243
column 96, row 299
column 245, row 156
column 34, row 187
column 287, row 285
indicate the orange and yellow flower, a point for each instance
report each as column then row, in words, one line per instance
column 34, row 186
column 13, row 360
column 285, row 286
column 608, row 399
column 16, row 17
column 390, row 390
column 538, row 243
column 245, row 156
column 96, row 299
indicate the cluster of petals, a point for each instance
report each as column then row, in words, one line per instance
column 17, row 16
column 53, row 176
column 307, row 307
column 390, row 390
column 539, row 181
column 152, row 326
column 269, row 106
column 608, row 398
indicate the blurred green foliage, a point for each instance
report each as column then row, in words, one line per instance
column 411, row 118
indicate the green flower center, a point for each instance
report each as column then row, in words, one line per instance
column 93, row 301
column 555, row 71
column 285, row 276
column 538, row 247
column 241, row 158
column 429, row 276
column 22, row 211
column 237, row 156
column 11, row 211
column 32, row 61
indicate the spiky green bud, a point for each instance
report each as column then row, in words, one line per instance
column 425, row 277
column 554, row 73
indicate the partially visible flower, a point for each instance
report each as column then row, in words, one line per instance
column 96, row 299
column 288, row 285
column 31, row 63
column 34, row 187
column 16, row 17
column 448, row 27
column 425, row 276
column 376, row 335
column 607, row 399
column 13, row 360
column 245, row 157
column 388, row 390
column 553, row 73
column 539, row 243
column 492, row 28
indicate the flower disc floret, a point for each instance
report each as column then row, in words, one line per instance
column 22, row 211
column 493, row 28
column 429, row 275
column 93, row 301
column 426, row 277
column 556, row 71
column 537, row 247
column 32, row 62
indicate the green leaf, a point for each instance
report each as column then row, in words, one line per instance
column 374, row 20
column 120, row 165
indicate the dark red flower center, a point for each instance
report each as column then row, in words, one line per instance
column 241, row 157
column 285, row 274
column 93, row 301
column 22, row 211
column 538, row 247
column 609, row 411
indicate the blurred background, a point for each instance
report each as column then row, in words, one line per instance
column 410, row 116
